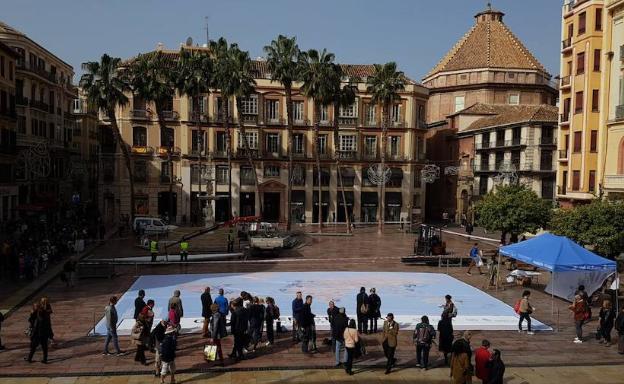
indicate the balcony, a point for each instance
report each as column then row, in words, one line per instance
column 566, row 44
column 548, row 141
column 348, row 121
column 326, row 123
column 219, row 154
column 274, row 121
column 564, row 154
column 515, row 142
column 142, row 150
column 21, row 100
column 272, row 154
column 564, row 119
column 370, row 123
column 397, row 124
column 564, row 82
column 41, row 72
column 243, row 153
column 421, row 124
column 299, row 155
column 301, row 122
column 347, row 155
column 164, row 151
column 142, row 114
column 619, row 112
column 614, row 182
column 170, row 115
column 40, row 105
column 198, row 117
column 249, row 119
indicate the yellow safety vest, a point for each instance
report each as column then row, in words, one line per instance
column 184, row 246
column 153, row 246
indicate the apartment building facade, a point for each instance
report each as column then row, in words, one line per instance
column 197, row 137
column 8, row 124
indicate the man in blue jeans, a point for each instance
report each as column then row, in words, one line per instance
column 110, row 313
column 339, row 324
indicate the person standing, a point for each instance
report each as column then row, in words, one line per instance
column 239, row 322
column 222, row 302
column 374, row 309
column 41, row 331
column 139, row 303
column 168, row 355
column 579, row 311
column 424, row 334
column 445, row 340
column 175, row 299
column 297, row 306
column 69, row 268
column 338, row 330
column 157, row 336
column 525, row 312
column 184, row 246
column 482, row 358
column 173, row 317
column 607, row 318
column 619, row 327
column 153, row 249
column 351, row 339
column 217, row 330
column 389, row 340
column 497, row 368
column 206, row 301
column 140, row 337
column 362, row 308
column 110, row 315
column 461, row 369
column 306, row 318
column 332, row 311
column 256, row 320
column 230, row 241
column 271, row 314
column 148, row 312
column 475, row 259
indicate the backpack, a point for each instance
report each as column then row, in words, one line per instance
column 517, row 306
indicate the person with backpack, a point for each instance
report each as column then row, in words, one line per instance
column 168, row 354
column 424, row 334
column 579, row 311
column 362, row 308
column 524, row 308
column 374, row 309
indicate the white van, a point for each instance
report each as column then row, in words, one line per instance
column 151, row 225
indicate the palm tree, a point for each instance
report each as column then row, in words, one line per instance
column 219, row 53
column 152, row 78
column 343, row 96
column 241, row 85
column 316, row 74
column 283, row 64
column 194, row 79
column 384, row 86
column 105, row 86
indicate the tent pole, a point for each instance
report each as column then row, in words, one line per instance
column 617, row 291
column 498, row 271
column 552, row 295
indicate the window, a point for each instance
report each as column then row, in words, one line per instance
column 395, row 113
column 592, row 181
column 221, row 142
column 297, row 110
column 2, row 66
column 485, row 140
column 349, row 111
column 222, row 174
column 514, row 99
column 483, row 185
column 140, row 171
column 566, row 109
column 347, row 143
column 370, row 114
column 394, row 146
column 272, row 111
column 598, row 25
column 246, row 176
column 271, row 171
column 249, row 105
column 272, row 143
column 198, row 105
column 595, row 100
column 198, row 142
column 577, row 141
column 299, row 175
column 298, row 143
column 322, row 144
column 325, row 176
column 370, row 146
column 499, row 159
column 593, row 141
column 165, row 172
column 196, row 175
column 578, row 102
column 582, row 22
column 570, row 30
column 580, row 63
column 252, row 140
column 167, row 137
column 139, row 136
column 459, row 103
column 597, row 60
column 576, row 180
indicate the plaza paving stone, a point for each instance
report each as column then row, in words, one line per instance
column 76, row 310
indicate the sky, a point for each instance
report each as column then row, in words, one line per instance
column 414, row 33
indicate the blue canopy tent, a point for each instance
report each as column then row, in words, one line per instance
column 570, row 264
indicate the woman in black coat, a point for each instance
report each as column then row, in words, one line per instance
column 445, row 338
column 40, row 331
column 497, row 369
column 256, row 320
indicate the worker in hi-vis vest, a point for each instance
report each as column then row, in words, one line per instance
column 184, row 245
column 154, row 249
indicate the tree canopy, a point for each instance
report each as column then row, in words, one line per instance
column 513, row 209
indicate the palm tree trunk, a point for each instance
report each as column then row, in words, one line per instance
column 228, row 143
column 289, row 119
column 317, row 116
column 382, row 186
column 241, row 129
column 126, row 155
column 336, row 149
column 201, row 138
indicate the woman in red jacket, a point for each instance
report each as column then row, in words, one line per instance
column 579, row 309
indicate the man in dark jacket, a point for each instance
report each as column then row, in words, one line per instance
column 374, row 309
column 297, row 306
column 332, row 311
column 362, row 309
column 157, row 336
column 139, row 303
column 306, row 320
column 338, row 327
column 41, row 332
column 206, row 301
column 168, row 354
column 239, row 321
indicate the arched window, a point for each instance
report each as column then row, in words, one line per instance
column 621, row 157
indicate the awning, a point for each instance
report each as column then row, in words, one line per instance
column 369, row 199
column 394, row 199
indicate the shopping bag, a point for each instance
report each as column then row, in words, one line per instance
column 210, row 352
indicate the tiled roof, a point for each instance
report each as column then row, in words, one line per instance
column 261, row 68
column 503, row 114
column 488, row 44
column 8, row 29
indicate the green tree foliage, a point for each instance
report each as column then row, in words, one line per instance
column 599, row 225
column 513, row 209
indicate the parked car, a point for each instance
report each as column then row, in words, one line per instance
column 151, row 225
